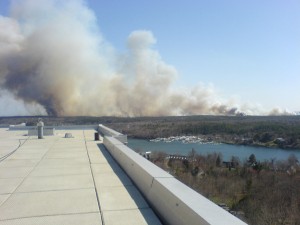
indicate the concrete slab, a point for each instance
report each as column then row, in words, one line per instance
column 131, row 217
column 19, row 163
column 70, row 145
column 106, row 168
column 93, row 146
column 9, row 185
column 121, row 198
column 22, row 155
column 98, row 157
column 8, row 143
column 7, row 172
column 98, row 154
column 7, row 148
column 50, row 181
column 53, row 183
column 111, row 180
column 71, row 219
column 89, row 135
column 75, row 136
column 66, row 155
column 3, row 198
column 60, row 171
column 66, row 148
column 37, row 144
column 49, row 203
column 63, row 162
column 28, row 147
column 73, row 142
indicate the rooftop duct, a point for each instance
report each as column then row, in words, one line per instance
column 40, row 128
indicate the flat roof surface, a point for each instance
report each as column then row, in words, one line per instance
column 59, row 180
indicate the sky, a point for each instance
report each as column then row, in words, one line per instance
column 247, row 51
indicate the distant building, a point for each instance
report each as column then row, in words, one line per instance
column 279, row 141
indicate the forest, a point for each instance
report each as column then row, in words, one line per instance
column 268, row 131
column 265, row 193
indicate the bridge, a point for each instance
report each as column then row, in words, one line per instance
column 76, row 179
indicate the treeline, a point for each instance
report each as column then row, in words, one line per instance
column 282, row 132
column 154, row 128
column 265, row 193
column 268, row 131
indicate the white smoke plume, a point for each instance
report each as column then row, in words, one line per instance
column 54, row 59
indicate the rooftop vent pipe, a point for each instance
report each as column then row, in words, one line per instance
column 40, row 128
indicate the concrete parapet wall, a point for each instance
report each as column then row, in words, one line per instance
column 75, row 127
column 106, row 131
column 172, row 200
column 63, row 127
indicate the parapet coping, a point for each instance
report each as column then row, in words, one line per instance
column 172, row 200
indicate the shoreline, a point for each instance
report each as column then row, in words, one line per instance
column 208, row 139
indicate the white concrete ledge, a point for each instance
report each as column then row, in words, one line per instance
column 106, row 131
column 172, row 200
column 63, row 127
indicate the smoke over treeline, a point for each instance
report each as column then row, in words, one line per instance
column 54, row 58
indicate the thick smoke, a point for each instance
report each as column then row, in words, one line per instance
column 53, row 56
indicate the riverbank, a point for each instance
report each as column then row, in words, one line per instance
column 271, row 132
column 228, row 151
column 221, row 139
column 279, row 143
column 264, row 131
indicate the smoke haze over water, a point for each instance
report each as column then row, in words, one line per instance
column 54, row 59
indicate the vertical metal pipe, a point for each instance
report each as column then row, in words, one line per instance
column 40, row 129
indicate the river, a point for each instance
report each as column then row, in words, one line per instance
column 241, row 151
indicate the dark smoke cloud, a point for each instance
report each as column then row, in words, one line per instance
column 53, row 58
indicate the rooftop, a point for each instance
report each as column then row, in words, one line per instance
column 58, row 180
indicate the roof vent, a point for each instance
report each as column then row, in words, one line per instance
column 68, row 135
column 40, row 128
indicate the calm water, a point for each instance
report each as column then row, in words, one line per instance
column 243, row 152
